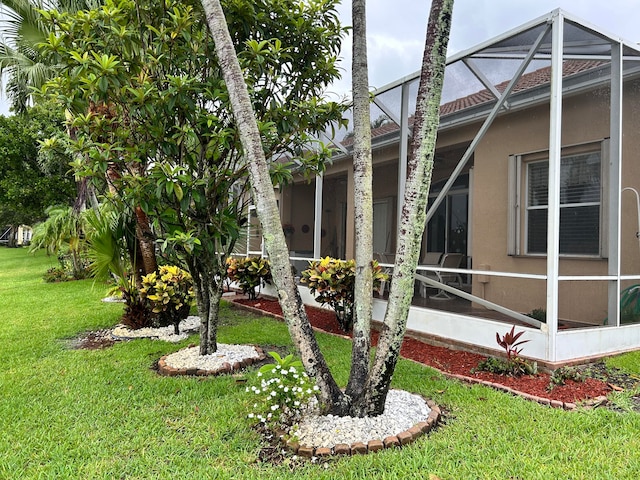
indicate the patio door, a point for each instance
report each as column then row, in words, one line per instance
column 447, row 230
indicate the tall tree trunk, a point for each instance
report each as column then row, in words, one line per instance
column 267, row 209
column 13, row 231
column 413, row 219
column 371, row 397
column 363, row 183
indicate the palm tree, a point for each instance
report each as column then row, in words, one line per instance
column 23, row 27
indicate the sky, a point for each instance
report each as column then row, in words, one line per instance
column 396, row 29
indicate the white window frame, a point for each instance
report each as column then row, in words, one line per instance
column 518, row 198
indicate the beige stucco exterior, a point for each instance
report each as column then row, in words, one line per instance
column 525, row 132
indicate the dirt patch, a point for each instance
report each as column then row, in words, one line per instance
column 95, row 340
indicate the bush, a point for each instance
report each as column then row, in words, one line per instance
column 284, row 393
column 562, row 374
column 539, row 314
column 170, row 294
column 137, row 312
column 334, row 282
column 249, row 273
column 516, row 366
column 56, row 274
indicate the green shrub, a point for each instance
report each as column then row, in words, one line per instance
column 56, row 274
column 562, row 374
column 539, row 314
column 170, row 294
column 283, row 394
column 249, row 273
column 137, row 311
column 334, row 282
column 516, row 366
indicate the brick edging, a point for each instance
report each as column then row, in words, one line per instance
column 226, row 368
column 527, row 396
column 359, row 448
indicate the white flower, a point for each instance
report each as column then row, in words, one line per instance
column 274, row 407
column 259, row 374
column 251, row 415
column 273, row 394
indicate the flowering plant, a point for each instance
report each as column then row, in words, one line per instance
column 284, row 392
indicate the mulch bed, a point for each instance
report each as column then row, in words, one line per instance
column 455, row 362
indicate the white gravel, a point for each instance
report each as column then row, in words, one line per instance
column 187, row 326
column 190, row 357
column 402, row 411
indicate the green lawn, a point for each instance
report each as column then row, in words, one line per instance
column 106, row 414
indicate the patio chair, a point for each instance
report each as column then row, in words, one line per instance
column 382, row 258
column 448, row 260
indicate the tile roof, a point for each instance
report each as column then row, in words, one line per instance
column 527, row 81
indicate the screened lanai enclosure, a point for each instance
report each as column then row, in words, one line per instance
column 534, row 208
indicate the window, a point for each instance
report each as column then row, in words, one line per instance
column 581, row 204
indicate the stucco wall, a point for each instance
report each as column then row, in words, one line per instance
column 585, row 119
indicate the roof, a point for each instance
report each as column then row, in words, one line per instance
column 527, row 81
column 584, row 47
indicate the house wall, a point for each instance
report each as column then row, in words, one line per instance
column 585, row 119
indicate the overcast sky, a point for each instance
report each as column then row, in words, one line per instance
column 396, row 30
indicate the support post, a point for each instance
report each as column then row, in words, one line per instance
column 615, row 172
column 553, row 201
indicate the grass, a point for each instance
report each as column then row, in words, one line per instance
column 82, row 414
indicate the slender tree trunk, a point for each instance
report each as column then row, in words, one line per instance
column 370, row 398
column 208, row 287
column 267, row 209
column 413, row 219
column 145, row 241
column 12, row 242
column 363, row 183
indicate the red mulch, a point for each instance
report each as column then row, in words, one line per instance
column 454, row 361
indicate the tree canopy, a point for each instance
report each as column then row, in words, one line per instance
column 30, row 183
column 150, row 112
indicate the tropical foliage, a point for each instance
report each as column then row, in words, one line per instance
column 250, row 273
column 30, row 183
column 150, row 112
column 23, row 28
column 170, row 293
column 334, row 281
